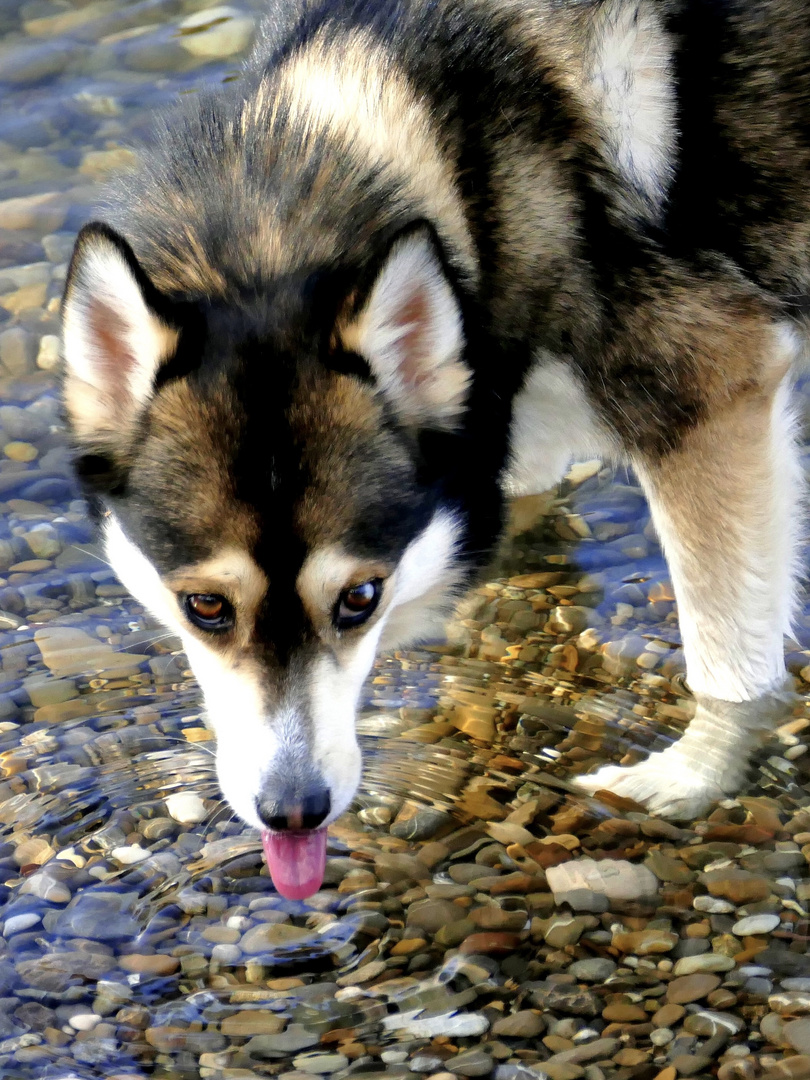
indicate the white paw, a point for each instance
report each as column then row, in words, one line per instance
column 669, row 787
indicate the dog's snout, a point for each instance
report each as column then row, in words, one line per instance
column 308, row 812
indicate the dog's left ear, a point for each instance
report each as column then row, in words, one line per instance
column 411, row 335
column 114, row 337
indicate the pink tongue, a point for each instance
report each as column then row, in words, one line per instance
column 296, row 860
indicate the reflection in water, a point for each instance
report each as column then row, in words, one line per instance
column 141, row 934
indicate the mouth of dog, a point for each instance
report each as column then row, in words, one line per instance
column 296, row 861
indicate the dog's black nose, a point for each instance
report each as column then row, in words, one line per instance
column 312, row 810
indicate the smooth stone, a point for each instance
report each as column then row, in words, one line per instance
column 432, row 915
column 17, row 350
column 691, row 987
column 67, row 650
column 270, row 936
column 48, row 356
column 16, row 924
column 755, row 924
column 41, row 213
column 84, row 1021
column 569, row 999
column 689, row 965
column 645, row 942
column 154, row 964
column 421, row 825
column 130, row 854
column 797, row 1035
column 594, row 969
column 363, row 974
column 708, row 1022
column 599, row 1048
column 186, row 807
column 584, row 901
column 58, row 247
column 738, row 886
column 461, row 1025
column 54, row 972
column 24, row 424
column 46, row 888
column 249, row 1022
column 425, row 1063
column 20, row 451
column 471, row 1063
column 99, row 164
column 614, row 878
column 36, row 850
column 320, row 1064
column 101, row 915
column 524, row 1024
column 790, row 1002
column 221, row 935
column 227, row 955
column 216, row 32
column 294, row 1037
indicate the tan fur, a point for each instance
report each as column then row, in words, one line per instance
column 327, row 572
column 231, row 573
column 188, row 430
column 352, row 89
column 337, row 417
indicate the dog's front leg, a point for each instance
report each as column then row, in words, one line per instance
column 726, row 506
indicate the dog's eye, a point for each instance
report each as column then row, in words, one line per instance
column 209, row 612
column 355, row 605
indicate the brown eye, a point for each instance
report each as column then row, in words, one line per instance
column 209, row 612
column 355, row 605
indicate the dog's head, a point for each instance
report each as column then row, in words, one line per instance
column 276, row 470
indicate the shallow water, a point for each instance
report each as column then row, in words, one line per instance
column 132, row 936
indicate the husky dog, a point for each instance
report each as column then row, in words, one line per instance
column 421, row 246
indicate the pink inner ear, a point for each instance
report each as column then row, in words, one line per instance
column 415, row 315
column 114, row 358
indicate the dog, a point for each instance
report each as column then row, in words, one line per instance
column 420, row 250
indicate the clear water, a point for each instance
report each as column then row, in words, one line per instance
column 99, row 714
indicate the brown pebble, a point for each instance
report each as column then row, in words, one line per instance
column 408, row 946
column 158, row 964
column 623, row 1013
column 666, row 1074
column 517, row 882
column 738, row 886
column 432, row 853
column 490, row 942
column 556, row 1043
column 691, row 988
column 644, row 942
column 668, row 1015
column 250, row 1022
column 630, row 1057
column 495, row 918
column 722, row 999
column 431, row 915
column 737, row 1069
column 698, row 930
column 166, row 1039
column 739, row 834
column 792, row 1068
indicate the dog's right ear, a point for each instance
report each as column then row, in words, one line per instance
column 411, row 335
column 114, row 338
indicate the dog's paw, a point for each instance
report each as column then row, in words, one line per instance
column 667, row 787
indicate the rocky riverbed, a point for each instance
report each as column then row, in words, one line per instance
column 479, row 917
